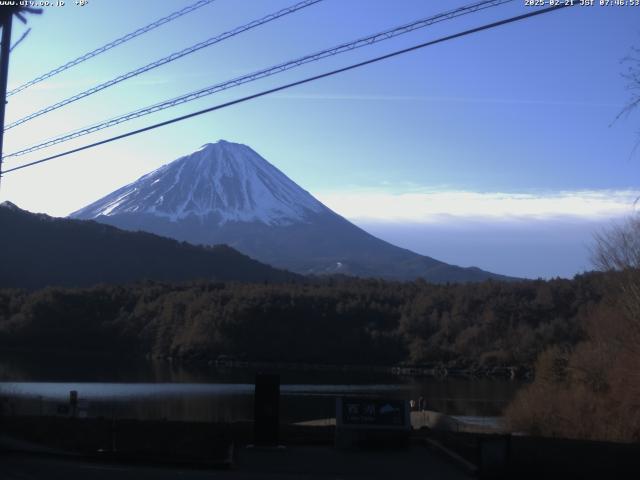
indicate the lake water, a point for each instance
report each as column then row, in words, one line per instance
column 144, row 389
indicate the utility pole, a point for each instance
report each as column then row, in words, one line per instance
column 6, row 21
column 5, row 49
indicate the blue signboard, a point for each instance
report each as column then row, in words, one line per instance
column 372, row 412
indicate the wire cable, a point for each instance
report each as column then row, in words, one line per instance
column 19, row 41
column 113, row 44
column 345, row 47
column 294, row 84
column 168, row 59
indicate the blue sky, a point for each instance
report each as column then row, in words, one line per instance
column 498, row 150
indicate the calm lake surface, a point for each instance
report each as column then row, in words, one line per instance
column 145, row 389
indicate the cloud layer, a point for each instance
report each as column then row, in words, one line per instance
column 445, row 206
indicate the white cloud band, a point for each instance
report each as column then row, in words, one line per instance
column 437, row 206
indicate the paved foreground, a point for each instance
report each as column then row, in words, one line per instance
column 251, row 464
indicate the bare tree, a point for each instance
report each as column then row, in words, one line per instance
column 618, row 249
column 599, row 375
column 632, row 76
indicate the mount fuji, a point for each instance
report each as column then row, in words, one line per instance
column 226, row 193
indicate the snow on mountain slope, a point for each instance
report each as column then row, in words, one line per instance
column 225, row 193
column 225, row 181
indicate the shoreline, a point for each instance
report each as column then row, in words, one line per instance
column 438, row 370
column 433, row 370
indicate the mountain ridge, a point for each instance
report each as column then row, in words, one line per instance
column 227, row 193
column 240, row 187
column 47, row 251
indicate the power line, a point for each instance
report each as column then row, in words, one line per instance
column 168, row 59
column 345, row 47
column 22, row 37
column 294, row 84
column 113, row 44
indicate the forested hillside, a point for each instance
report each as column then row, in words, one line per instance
column 38, row 251
column 334, row 320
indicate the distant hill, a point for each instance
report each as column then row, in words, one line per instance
column 37, row 250
column 227, row 193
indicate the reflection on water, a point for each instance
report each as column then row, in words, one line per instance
column 127, row 388
column 129, row 391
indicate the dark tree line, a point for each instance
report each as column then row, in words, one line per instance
column 334, row 320
column 40, row 251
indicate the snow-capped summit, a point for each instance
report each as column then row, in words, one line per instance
column 224, row 181
column 226, row 193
